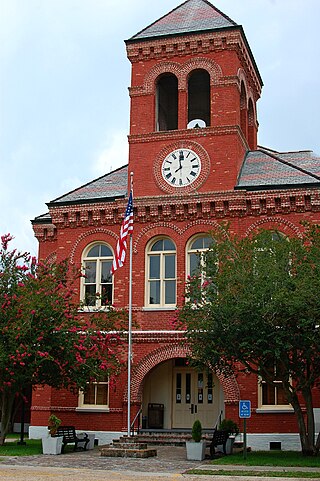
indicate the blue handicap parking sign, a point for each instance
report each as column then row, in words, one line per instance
column 244, row 409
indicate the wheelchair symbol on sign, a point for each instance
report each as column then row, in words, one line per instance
column 244, row 409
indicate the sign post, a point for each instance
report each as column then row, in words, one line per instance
column 244, row 413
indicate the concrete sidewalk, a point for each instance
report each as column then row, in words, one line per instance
column 170, row 464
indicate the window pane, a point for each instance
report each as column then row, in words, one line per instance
column 106, row 294
column 268, row 394
column 197, row 244
column 157, row 246
column 170, row 266
column 102, row 394
column 106, row 251
column 90, row 295
column 281, row 397
column 194, row 264
column 154, row 267
column 105, row 271
column 88, row 397
column 154, row 292
column 207, row 241
column 90, row 272
column 94, row 251
column 168, row 245
column 170, row 292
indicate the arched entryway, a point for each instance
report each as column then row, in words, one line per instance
column 173, row 395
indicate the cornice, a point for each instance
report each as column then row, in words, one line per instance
column 183, row 134
column 195, row 208
column 198, row 43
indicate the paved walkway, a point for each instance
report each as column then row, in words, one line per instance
column 169, row 465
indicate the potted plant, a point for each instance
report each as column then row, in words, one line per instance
column 52, row 444
column 197, row 446
column 232, row 429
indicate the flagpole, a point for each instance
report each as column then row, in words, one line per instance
column 130, row 323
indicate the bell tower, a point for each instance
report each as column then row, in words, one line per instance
column 194, row 90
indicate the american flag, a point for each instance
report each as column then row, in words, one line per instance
column 126, row 229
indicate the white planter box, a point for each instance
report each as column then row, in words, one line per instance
column 195, row 451
column 52, row 445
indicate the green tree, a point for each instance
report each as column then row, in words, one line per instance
column 44, row 339
column 259, row 307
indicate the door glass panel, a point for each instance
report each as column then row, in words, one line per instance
column 178, row 388
column 210, row 388
column 200, row 388
column 188, row 388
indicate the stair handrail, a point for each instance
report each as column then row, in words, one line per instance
column 218, row 422
column 137, row 416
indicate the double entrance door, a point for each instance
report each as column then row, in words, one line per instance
column 194, row 397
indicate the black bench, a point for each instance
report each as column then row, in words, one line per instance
column 219, row 438
column 70, row 436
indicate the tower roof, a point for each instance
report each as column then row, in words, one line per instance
column 190, row 16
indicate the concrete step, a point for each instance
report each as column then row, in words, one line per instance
column 114, row 452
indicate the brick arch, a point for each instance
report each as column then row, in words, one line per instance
column 152, row 231
column 229, row 385
column 160, row 68
column 51, row 258
column 92, row 232
column 278, row 223
column 213, row 69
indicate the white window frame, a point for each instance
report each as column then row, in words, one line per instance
column 271, row 407
column 162, row 254
column 98, row 260
column 200, row 252
column 94, row 407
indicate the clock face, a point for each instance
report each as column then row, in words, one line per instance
column 181, row 167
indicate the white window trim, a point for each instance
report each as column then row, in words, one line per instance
column 270, row 407
column 93, row 407
column 148, row 254
column 98, row 261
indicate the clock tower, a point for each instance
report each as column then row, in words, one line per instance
column 193, row 93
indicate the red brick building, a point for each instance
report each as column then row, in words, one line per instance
column 195, row 163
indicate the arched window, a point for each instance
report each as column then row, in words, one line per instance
column 196, row 247
column 97, row 280
column 161, row 273
column 167, row 103
column 251, row 126
column 243, row 111
column 199, row 96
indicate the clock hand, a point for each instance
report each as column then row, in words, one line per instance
column 181, row 158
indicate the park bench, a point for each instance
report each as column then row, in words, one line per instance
column 219, row 438
column 70, row 437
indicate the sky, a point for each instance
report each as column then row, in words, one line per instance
column 64, row 102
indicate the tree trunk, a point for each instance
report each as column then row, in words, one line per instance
column 7, row 400
column 306, row 433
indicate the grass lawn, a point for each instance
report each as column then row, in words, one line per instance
column 11, row 448
column 270, row 458
column 261, row 474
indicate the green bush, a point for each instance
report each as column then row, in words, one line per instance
column 230, row 426
column 197, row 431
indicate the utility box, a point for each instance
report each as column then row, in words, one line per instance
column 155, row 415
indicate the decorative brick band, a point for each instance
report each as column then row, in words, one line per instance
column 276, row 223
column 92, row 232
